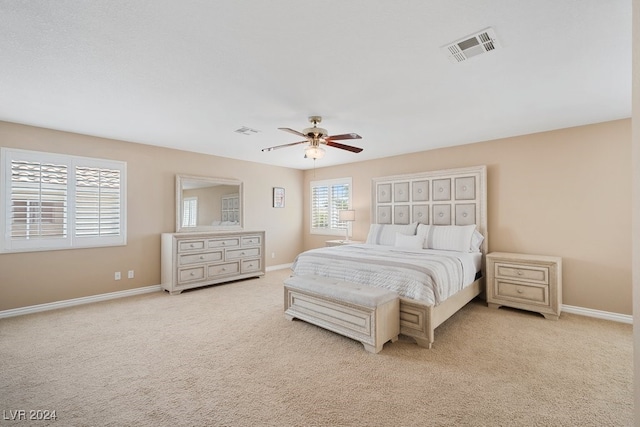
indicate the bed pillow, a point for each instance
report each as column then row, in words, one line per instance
column 450, row 237
column 408, row 242
column 385, row 234
column 422, row 232
column 476, row 241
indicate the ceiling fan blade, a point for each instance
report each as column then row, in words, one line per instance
column 284, row 145
column 344, row 147
column 295, row 132
column 344, row 136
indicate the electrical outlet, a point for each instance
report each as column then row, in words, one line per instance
column 130, row 274
column 117, row 275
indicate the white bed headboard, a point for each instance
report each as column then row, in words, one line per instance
column 445, row 197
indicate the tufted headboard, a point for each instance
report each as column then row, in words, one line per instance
column 446, row 197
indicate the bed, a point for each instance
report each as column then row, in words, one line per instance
column 427, row 242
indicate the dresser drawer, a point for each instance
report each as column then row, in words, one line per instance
column 251, row 241
column 231, row 242
column 186, row 275
column 190, row 245
column 200, row 258
column 519, row 292
column 529, row 273
column 250, row 265
column 223, row 269
column 243, row 253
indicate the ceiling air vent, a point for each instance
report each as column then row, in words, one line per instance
column 470, row 46
column 244, row 130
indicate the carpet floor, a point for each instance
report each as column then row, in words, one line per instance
column 225, row 356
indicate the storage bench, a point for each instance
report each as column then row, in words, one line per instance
column 363, row 313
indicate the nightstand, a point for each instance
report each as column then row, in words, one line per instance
column 527, row 282
column 341, row 242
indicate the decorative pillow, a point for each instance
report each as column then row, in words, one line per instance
column 408, row 242
column 450, row 237
column 385, row 234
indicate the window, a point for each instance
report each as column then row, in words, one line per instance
column 53, row 201
column 327, row 198
column 189, row 211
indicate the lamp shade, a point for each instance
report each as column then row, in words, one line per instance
column 347, row 215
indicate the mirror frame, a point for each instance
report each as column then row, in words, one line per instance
column 180, row 179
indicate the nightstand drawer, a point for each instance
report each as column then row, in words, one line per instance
column 528, row 273
column 522, row 293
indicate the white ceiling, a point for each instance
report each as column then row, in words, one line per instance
column 186, row 74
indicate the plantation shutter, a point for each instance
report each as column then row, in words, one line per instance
column 339, row 201
column 55, row 201
column 97, row 202
column 38, row 200
column 327, row 199
column 190, row 212
column 320, row 207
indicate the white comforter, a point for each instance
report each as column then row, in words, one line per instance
column 426, row 275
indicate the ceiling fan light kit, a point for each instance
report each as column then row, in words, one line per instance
column 314, row 136
column 314, row 152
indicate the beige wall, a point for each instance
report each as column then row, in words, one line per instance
column 41, row 277
column 565, row 193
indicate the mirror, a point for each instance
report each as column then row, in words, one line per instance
column 208, row 204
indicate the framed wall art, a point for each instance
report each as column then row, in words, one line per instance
column 278, row 197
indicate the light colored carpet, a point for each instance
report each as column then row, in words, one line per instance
column 225, row 356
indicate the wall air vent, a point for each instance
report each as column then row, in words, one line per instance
column 470, row 46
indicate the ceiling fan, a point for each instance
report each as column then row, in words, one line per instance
column 315, row 137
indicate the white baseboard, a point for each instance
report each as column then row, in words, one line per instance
column 278, row 267
column 78, row 301
column 606, row 315
column 616, row 317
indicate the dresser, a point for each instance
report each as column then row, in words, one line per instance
column 190, row 260
column 527, row 282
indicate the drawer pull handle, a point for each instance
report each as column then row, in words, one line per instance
column 201, row 256
column 520, row 273
column 250, row 265
column 224, row 243
column 193, row 274
column 242, row 253
column 520, row 291
column 223, row 269
column 192, row 245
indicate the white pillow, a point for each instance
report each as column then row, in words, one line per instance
column 408, row 242
column 476, row 241
column 423, row 232
column 385, row 234
column 450, row 237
